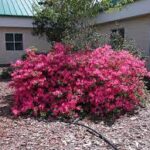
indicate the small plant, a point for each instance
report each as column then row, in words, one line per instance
column 6, row 73
column 116, row 41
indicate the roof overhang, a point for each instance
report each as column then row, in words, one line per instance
column 138, row 8
column 19, row 22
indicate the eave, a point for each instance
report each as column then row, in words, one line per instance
column 136, row 9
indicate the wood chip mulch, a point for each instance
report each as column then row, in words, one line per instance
column 127, row 133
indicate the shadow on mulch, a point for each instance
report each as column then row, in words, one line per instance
column 5, row 106
column 5, row 80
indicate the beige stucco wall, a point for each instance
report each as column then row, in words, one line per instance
column 137, row 28
column 29, row 40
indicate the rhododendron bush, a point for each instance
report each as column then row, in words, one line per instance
column 63, row 83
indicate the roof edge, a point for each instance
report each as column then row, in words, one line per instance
column 138, row 8
column 16, row 16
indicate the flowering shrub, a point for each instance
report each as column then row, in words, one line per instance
column 64, row 83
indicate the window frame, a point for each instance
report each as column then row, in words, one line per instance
column 119, row 30
column 14, row 41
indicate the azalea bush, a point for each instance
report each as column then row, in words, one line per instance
column 68, row 83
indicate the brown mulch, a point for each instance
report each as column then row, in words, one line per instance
column 127, row 133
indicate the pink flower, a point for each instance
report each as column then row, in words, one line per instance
column 65, row 83
column 15, row 111
column 59, row 47
column 57, row 93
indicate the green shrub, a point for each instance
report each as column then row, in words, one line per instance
column 89, row 38
column 85, row 38
column 119, row 43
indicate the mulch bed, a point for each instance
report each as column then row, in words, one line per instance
column 127, row 133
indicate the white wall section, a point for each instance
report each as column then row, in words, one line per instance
column 19, row 22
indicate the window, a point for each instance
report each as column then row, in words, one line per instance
column 14, row 41
column 119, row 31
column 117, row 38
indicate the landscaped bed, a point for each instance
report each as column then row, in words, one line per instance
column 127, row 133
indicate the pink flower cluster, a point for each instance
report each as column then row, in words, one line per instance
column 65, row 83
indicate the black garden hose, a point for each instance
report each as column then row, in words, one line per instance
column 95, row 133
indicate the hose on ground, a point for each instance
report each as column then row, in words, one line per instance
column 95, row 133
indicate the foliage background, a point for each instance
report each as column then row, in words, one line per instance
column 59, row 18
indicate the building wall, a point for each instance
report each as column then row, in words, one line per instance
column 29, row 40
column 137, row 28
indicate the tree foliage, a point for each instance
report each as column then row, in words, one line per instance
column 57, row 18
